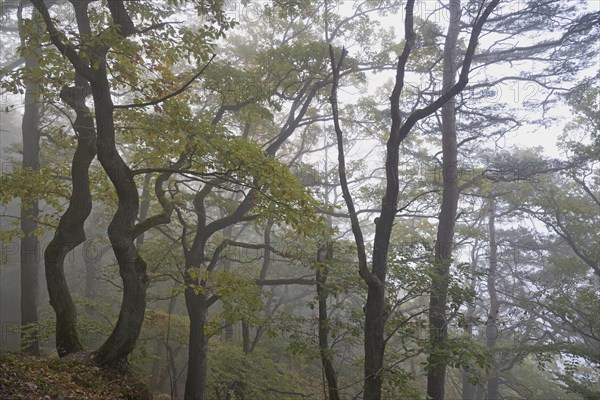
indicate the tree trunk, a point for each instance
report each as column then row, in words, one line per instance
column 246, row 341
column 468, row 389
column 167, row 375
column 229, row 331
column 70, row 232
column 324, row 255
column 438, row 329
column 374, row 342
column 195, row 385
column 132, row 268
column 492, row 326
column 144, row 206
column 30, row 247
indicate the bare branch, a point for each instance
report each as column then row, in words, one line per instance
column 172, row 94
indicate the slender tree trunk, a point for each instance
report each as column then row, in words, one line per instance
column 468, row 389
column 144, row 206
column 250, row 344
column 167, row 375
column 325, row 254
column 374, row 341
column 30, row 247
column 246, row 341
column 375, row 314
column 229, row 328
column 438, row 329
column 492, row 326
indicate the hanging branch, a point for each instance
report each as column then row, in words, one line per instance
column 172, row 94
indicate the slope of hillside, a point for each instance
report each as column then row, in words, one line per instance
column 26, row 377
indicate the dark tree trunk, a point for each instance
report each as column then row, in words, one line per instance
column 492, row 326
column 197, row 306
column 132, row 267
column 246, row 341
column 438, row 329
column 375, row 279
column 374, row 342
column 30, row 247
column 70, row 232
column 122, row 229
column 324, row 255
column 195, row 385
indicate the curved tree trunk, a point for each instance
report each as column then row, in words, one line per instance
column 122, row 230
column 70, row 232
column 132, row 267
column 438, row 329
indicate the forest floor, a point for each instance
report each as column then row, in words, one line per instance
column 26, row 377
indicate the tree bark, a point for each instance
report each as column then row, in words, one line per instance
column 468, row 390
column 132, row 267
column 325, row 254
column 375, row 314
column 30, row 247
column 197, row 307
column 122, row 230
column 492, row 326
column 438, row 328
column 195, row 385
column 144, row 206
column 70, row 232
column 229, row 331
